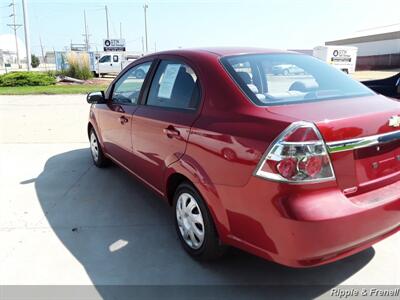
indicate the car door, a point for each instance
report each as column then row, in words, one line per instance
column 161, row 126
column 115, row 66
column 104, row 64
column 115, row 117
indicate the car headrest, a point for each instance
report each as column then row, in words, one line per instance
column 302, row 86
column 245, row 77
column 183, row 88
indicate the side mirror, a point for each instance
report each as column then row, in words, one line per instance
column 96, row 97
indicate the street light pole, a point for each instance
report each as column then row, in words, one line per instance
column 26, row 30
column 145, row 26
column 108, row 29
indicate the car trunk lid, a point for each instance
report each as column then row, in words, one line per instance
column 363, row 143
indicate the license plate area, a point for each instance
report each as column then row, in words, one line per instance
column 378, row 161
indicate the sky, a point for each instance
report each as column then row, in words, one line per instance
column 284, row 24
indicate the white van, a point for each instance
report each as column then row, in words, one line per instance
column 341, row 57
column 114, row 62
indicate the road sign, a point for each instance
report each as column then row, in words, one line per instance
column 114, row 45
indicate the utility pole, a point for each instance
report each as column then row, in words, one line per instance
column 26, row 30
column 142, row 45
column 86, row 35
column 43, row 56
column 108, row 29
column 15, row 27
column 145, row 7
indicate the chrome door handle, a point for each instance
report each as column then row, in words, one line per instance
column 123, row 120
column 171, row 132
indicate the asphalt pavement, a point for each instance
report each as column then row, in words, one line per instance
column 65, row 222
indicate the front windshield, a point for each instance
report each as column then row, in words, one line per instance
column 270, row 79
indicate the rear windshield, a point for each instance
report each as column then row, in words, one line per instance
column 274, row 79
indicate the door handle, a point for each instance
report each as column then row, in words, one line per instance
column 171, row 132
column 123, row 120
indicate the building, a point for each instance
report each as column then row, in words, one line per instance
column 378, row 48
column 304, row 51
column 8, row 50
column 49, row 57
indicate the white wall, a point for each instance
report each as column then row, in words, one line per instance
column 378, row 47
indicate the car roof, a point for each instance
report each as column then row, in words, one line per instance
column 224, row 51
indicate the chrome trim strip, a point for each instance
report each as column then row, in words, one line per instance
column 363, row 142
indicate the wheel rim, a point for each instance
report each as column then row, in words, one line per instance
column 190, row 221
column 94, row 146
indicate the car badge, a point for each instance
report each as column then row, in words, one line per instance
column 394, row 121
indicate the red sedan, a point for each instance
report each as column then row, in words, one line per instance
column 300, row 169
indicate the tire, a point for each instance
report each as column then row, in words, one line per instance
column 228, row 154
column 207, row 247
column 139, row 74
column 96, row 75
column 285, row 72
column 99, row 159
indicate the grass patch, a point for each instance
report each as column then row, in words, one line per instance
column 52, row 89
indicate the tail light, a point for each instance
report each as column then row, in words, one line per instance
column 298, row 155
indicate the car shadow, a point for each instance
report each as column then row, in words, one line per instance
column 123, row 234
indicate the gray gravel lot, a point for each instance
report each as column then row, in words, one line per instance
column 65, row 222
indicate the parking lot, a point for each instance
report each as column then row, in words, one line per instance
column 65, row 222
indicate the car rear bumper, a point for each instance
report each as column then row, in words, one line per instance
column 308, row 227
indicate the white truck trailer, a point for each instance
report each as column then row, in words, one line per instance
column 341, row 57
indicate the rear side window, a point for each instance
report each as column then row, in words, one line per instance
column 175, row 85
column 274, row 79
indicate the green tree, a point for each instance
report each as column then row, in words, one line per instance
column 35, row 62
